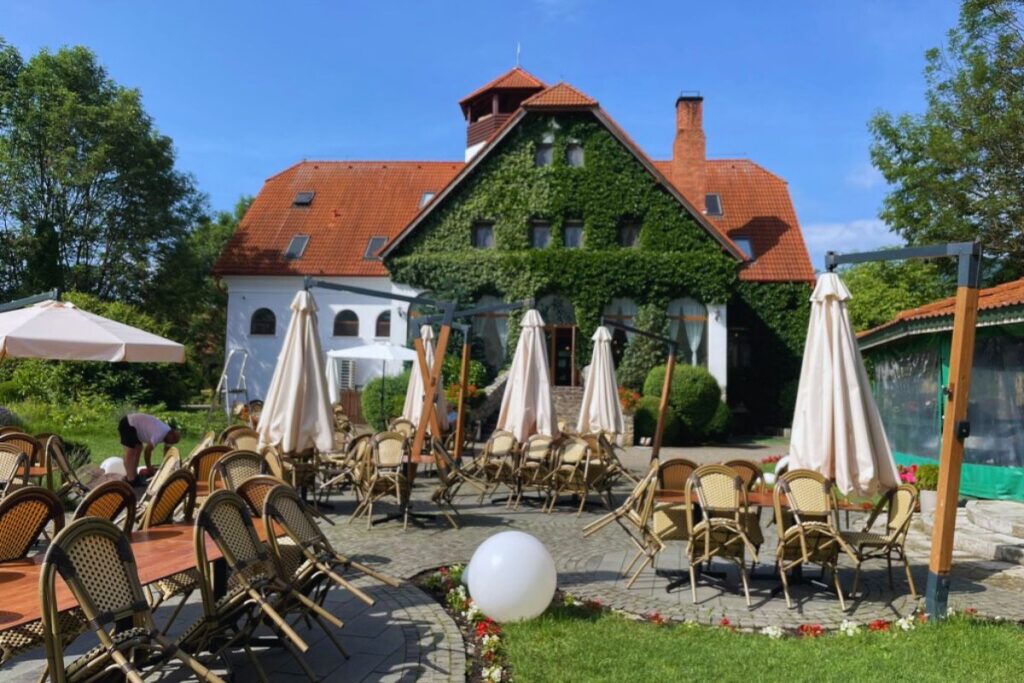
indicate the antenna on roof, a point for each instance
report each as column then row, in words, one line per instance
column 519, row 49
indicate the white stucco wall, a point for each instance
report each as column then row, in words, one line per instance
column 246, row 294
column 718, row 344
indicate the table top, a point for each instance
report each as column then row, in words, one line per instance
column 159, row 552
column 36, row 471
column 754, row 498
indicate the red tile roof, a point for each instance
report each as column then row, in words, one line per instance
column 1000, row 296
column 559, row 95
column 516, row 78
column 756, row 205
column 354, row 201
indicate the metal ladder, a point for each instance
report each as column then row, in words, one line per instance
column 224, row 392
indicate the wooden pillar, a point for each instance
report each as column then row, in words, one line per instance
column 659, row 430
column 961, row 361
column 430, row 388
column 461, row 417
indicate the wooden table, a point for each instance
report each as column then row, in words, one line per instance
column 159, row 552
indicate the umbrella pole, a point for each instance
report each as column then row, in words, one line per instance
column 460, row 417
column 659, row 430
column 383, row 369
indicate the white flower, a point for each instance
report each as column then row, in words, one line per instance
column 492, row 673
column 489, row 643
column 848, row 627
column 773, row 632
column 472, row 612
column 906, row 623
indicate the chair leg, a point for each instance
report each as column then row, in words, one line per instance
column 785, row 585
column 693, row 583
column 334, row 638
column 583, row 501
column 177, row 610
column 297, row 656
column 251, row 656
column 369, row 515
column 742, row 566
column 839, row 587
column 643, row 566
column 856, row 580
column 632, row 562
column 910, row 579
column 888, row 560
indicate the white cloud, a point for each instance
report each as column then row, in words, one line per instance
column 864, row 177
column 857, row 235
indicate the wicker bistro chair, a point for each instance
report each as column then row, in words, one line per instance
column 404, row 427
column 236, row 467
column 450, row 478
column 13, row 469
column 209, row 439
column 577, row 471
column 386, row 476
column 57, row 461
column 723, row 501
column 753, row 480
column 27, row 444
column 225, row 518
column 534, row 466
column 254, row 491
column 23, row 516
column 808, row 531
column 497, row 464
column 96, row 562
column 177, row 493
column 899, row 505
column 227, row 432
column 171, row 464
column 339, row 469
column 202, row 464
column 113, row 501
column 244, row 439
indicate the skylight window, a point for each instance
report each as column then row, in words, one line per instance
column 425, row 199
column 713, row 203
column 296, row 248
column 374, row 245
column 746, row 245
column 303, row 198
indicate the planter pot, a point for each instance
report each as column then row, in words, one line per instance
column 928, row 500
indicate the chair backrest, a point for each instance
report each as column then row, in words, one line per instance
column 28, row 444
column 809, row 494
column 389, row 449
column 228, row 431
column 237, row 466
column 718, row 488
column 171, row 464
column 177, row 491
column 538, row 449
column 225, row 517
column 751, row 473
column 284, row 506
column 10, row 429
column 109, row 501
column 96, row 562
column 57, row 459
column 404, row 427
column 23, row 516
column 573, row 451
column 673, row 474
column 244, row 439
column 13, row 466
column 902, row 502
column 254, row 491
column 209, row 439
column 501, row 444
column 202, row 462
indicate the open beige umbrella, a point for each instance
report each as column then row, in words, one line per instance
column 601, row 410
column 59, row 330
column 296, row 413
column 837, row 429
column 526, row 406
column 413, row 407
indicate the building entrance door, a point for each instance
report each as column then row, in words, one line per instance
column 562, row 355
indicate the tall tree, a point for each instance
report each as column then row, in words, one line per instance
column 89, row 195
column 957, row 170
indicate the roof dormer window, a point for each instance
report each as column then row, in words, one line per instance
column 426, row 197
column 713, row 204
column 373, row 247
column 746, row 245
column 296, row 247
column 303, row 198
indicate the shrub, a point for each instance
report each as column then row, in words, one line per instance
column 927, row 477
column 694, row 398
column 477, row 376
column 721, row 423
column 394, row 388
column 643, row 353
column 645, row 419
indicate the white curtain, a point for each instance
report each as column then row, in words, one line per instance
column 688, row 316
column 622, row 311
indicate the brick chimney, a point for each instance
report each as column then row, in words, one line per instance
column 688, row 150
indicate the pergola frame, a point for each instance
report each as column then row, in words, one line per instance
column 52, row 295
column 955, row 428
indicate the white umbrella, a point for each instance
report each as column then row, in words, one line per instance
column 297, row 411
column 385, row 353
column 527, row 407
column 837, row 429
column 601, row 410
column 59, row 330
column 413, row 407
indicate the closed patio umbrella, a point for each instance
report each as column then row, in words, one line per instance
column 837, row 430
column 59, row 330
column 601, row 410
column 527, row 407
column 296, row 414
column 413, row 407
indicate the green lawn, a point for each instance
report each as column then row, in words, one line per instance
column 568, row 644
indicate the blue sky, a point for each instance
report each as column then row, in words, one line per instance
column 248, row 88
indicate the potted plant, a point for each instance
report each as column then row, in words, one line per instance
column 927, row 481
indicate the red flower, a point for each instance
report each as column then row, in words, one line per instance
column 594, row 605
column 971, row 611
column 487, row 627
column 725, row 623
column 879, row 625
column 656, row 618
column 769, row 459
column 811, row 630
column 923, row 618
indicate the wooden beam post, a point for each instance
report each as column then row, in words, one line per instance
column 955, row 429
column 430, row 390
column 670, row 367
column 460, row 423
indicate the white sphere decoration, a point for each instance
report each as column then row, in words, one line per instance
column 114, row 466
column 465, row 575
column 513, row 577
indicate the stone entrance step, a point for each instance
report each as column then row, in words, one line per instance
column 1000, row 516
column 979, row 541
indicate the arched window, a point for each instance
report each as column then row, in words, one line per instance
column 620, row 311
column 383, row 325
column 346, row 324
column 263, row 322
